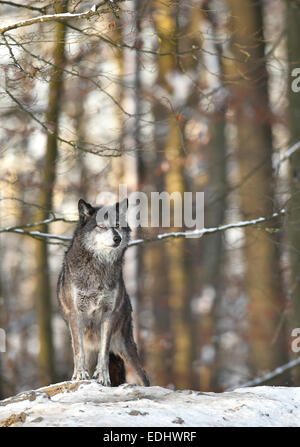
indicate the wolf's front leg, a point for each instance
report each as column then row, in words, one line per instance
column 76, row 328
column 101, row 373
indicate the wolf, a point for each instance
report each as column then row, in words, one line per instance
column 93, row 298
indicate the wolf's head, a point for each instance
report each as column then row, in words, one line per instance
column 103, row 230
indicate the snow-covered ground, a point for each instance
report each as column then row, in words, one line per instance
column 87, row 403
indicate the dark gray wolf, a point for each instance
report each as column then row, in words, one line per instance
column 93, row 298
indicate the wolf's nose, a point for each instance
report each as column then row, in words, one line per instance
column 117, row 239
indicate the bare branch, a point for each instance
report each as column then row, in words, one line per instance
column 122, row 45
column 288, row 154
column 99, row 150
column 40, row 235
column 206, row 231
column 271, row 375
column 50, row 18
column 37, row 224
column 159, row 237
column 12, row 55
column 70, row 72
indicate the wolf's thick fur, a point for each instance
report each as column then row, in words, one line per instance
column 94, row 300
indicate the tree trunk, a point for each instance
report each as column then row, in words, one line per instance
column 251, row 103
column 47, row 180
column 293, row 24
column 166, row 20
column 177, row 272
column 211, row 248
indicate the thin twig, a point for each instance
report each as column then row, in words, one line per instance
column 74, row 73
column 18, row 5
column 37, row 224
column 288, row 153
column 101, row 152
column 13, row 56
column 271, row 375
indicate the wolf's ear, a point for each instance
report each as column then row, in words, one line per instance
column 85, row 210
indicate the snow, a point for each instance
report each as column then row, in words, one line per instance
column 87, row 403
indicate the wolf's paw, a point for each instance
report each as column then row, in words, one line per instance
column 80, row 374
column 102, row 377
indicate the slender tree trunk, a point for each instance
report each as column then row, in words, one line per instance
column 251, row 103
column 211, row 248
column 166, row 19
column 47, row 180
column 213, row 251
column 152, row 283
column 293, row 24
column 140, row 174
column 177, row 272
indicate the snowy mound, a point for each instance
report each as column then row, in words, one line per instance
column 87, row 403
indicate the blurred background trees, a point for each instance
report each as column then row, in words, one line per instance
column 162, row 96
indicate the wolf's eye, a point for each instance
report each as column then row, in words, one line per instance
column 117, row 225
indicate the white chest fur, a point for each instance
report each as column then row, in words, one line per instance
column 94, row 303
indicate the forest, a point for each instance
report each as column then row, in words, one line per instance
column 161, row 96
